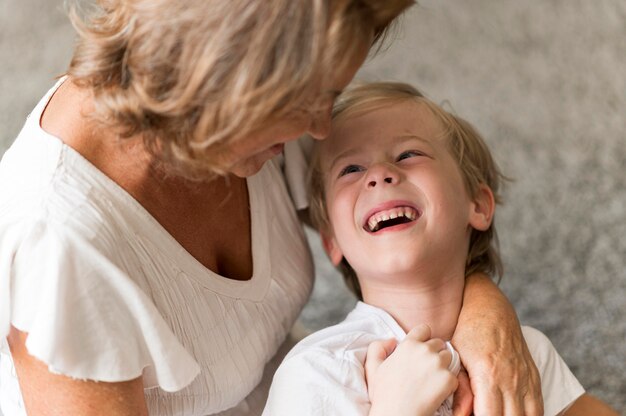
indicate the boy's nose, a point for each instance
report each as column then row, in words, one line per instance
column 381, row 174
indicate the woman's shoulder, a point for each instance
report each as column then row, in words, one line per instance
column 42, row 181
column 43, row 178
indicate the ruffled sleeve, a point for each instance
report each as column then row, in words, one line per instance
column 8, row 247
column 84, row 316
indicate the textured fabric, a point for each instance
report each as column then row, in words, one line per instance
column 324, row 374
column 106, row 294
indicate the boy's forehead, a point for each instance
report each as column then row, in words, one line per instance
column 385, row 124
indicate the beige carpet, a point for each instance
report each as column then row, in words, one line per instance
column 546, row 84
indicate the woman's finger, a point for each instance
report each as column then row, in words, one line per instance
column 487, row 401
column 463, row 397
column 533, row 398
column 513, row 404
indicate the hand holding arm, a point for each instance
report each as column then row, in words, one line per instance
column 488, row 337
column 411, row 378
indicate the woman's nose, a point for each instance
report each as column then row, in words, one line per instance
column 320, row 124
column 381, row 174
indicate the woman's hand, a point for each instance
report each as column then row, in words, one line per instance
column 463, row 398
column 488, row 337
column 411, row 378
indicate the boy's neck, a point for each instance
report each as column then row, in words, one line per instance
column 436, row 304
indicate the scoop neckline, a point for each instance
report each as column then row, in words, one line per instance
column 145, row 226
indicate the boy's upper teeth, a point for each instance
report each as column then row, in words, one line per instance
column 374, row 221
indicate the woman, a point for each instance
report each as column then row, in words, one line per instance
column 137, row 203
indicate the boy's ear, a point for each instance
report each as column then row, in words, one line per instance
column 482, row 208
column 331, row 248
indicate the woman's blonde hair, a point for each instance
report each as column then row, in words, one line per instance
column 192, row 75
column 466, row 146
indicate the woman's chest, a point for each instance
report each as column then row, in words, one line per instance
column 232, row 330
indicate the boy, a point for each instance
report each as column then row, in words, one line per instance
column 404, row 196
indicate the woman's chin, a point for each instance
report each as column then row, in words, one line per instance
column 249, row 166
column 253, row 164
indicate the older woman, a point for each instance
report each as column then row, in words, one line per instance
column 151, row 260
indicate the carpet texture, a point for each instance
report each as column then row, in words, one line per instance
column 545, row 82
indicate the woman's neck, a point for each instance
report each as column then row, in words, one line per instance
column 436, row 303
column 210, row 220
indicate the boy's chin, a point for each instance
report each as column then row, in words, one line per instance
column 393, row 265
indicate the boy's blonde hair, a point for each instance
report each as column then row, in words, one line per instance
column 466, row 146
column 192, row 75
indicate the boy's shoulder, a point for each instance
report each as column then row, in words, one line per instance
column 539, row 346
column 348, row 340
column 324, row 373
column 538, row 343
column 559, row 386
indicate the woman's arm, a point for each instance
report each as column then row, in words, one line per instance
column 46, row 393
column 488, row 337
column 587, row 405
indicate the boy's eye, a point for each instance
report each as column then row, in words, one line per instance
column 350, row 169
column 408, row 154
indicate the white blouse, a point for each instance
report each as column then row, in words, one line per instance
column 105, row 293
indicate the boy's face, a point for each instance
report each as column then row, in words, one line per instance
column 395, row 196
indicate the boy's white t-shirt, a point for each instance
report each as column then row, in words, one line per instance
column 105, row 293
column 324, row 373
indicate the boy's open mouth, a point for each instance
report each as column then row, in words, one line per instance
column 390, row 217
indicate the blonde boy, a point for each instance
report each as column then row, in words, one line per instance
column 404, row 196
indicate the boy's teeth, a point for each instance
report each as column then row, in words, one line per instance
column 374, row 221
